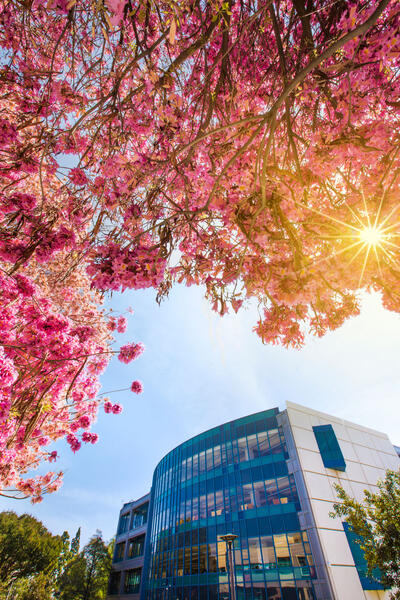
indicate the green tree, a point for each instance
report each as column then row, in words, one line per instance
column 86, row 575
column 27, row 549
column 377, row 522
column 37, row 587
column 75, row 542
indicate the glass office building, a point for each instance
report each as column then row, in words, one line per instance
column 263, row 478
column 230, row 479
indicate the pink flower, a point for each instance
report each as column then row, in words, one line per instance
column 19, row 201
column 83, row 333
column 89, row 437
column 7, row 373
column 53, row 456
column 25, row 286
column 53, row 324
column 73, row 442
column 77, row 176
column 112, row 324
column 117, row 8
column 137, row 387
column 8, row 132
column 36, row 499
column 117, row 408
column 108, row 407
column 130, row 352
column 84, row 421
column 122, row 324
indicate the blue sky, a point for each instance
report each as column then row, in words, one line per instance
column 200, row 370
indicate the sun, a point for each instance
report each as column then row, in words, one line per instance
column 368, row 236
column 371, row 235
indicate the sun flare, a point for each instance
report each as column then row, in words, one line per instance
column 368, row 237
column 371, row 235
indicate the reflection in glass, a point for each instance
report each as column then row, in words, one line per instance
column 132, row 581
column 136, row 546
column 119, row 552
column 231, row 479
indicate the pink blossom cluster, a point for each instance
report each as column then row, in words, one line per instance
column 77, row 176
column 137, row 387
column 119, row 324
column 116, row 268
column 206, row 161
column 8, row 132
column 130, row 352
column 116, row 8
column 47, row 353
column 109, row 407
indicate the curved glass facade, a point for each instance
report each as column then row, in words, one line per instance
column 230, row 479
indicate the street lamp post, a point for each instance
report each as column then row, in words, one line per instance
column 229, row 538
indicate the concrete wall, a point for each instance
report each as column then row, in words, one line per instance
column 133, row 563
column 368, row 454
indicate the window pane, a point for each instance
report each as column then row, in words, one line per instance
column 248, row 497
column 136, row 546
column 119, row 552
column 255, row 553
column 115, row 580
column 253, row 447
column 259, row 494
column 242, row 449
column 274, row 441
column 132, row 581
column 263, row 443
column 281, row 550
column 267, row 547
column 212, row 558
column 123, row 523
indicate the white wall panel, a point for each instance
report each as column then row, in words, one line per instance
column 372, row 474
column 318, row 486
column 365, row 455
column 379, row 460
column 340, row 431
column 354, row 471
column 321, row 510
column 337, row 550
column 346, row 583
column 311, row 461
column 384, row 445
column 348, row 450
column 392, row 461
column 358, row 490
column 357, row 436
column 301, row 419
column 305, row 438
column 345, row 483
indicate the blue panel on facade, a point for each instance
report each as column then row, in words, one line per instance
column 231, row 479
column 329, row 448
column 367, row 583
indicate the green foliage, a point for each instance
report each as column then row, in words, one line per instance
column 36, row 565
column 86, row 575
column 39, row 587
column 27, row 548
column 72, row 579
column 75, row 542
column 377, row 522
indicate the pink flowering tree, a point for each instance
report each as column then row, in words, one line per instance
column 55, row 343
column 251, row 147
